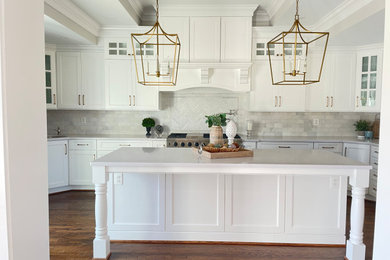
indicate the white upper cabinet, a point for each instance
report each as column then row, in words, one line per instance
column 50, row 80
column 205, row 39
column 123, row 92
column 236, row 39
column 181, row 27
column 80, row 80
column 69, row 80
column 369, row 84
column 267, row 97
column 92, row 79
column 335, row 90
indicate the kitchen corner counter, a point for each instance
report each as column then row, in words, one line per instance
column 324, row 139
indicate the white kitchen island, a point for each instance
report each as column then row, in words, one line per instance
column 295, row 197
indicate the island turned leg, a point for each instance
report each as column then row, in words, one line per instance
column 101, row 243
column 356, row 250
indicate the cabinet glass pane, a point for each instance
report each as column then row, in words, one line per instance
column 288, row 52
column 364, row 81
column 372, row 98
column 122, row 45
column 364, row 98
column 260, row 45
column 374, row 63
column 271, row 46
column 373, row 81
column 122, row 52
column 48, row 79
column 149, row 53
column 47, row 62
column 48, row 96
column 364, row 64
column 259, row 53
column 112, row 52
column 112, row 45
column 272, row 52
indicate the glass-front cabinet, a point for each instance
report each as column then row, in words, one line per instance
column 368, row 87
column 50, row 80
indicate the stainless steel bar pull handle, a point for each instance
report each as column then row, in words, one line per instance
column 284, row 147
column 328, row 147
column 79, row 101
column 83, row 100
column 134, row 100
column 66, row 149
column 82, row 144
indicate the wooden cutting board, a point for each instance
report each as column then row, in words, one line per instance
column 222, row 155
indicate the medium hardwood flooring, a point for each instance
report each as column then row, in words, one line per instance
column 72, row 232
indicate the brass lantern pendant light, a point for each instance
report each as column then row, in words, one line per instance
column 156, row 55
column 294, row 63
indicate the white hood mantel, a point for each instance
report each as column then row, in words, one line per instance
column 229, row 76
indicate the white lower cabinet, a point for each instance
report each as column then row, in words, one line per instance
column 330, row 147
column 255, row 203
column 139, row 202
column 357, row 152
column 57, row 163
column 285, row 145
column 195, row 202
column 81, row 153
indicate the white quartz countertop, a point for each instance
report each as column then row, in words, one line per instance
column 327, row 139
column 156, row 157
column 107, row 136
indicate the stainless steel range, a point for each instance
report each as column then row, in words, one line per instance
column 184, row 140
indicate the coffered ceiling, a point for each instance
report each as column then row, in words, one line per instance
column 87, row 17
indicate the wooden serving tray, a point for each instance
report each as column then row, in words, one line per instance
column 222, row 155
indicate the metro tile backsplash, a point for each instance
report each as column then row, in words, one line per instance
column 185, row 110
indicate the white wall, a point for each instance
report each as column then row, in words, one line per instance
column 24, row 175
column 382, row 223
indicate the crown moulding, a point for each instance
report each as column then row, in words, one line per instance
column 208, row 10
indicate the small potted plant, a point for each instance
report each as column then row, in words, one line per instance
column 148, row 123
column 215, row 122
column 361, row 127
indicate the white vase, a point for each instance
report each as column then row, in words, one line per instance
column 231, row 131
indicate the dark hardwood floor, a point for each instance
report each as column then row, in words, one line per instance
column 72, row 232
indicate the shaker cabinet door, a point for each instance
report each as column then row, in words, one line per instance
column 57, row 163
column 118, row 84
column 80, row 170
column 92, row 69
column 205, row 36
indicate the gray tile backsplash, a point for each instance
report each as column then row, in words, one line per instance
column 184, row 111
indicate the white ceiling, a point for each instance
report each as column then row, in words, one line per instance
column 56, row 33
column 108, row 13
column 369, row 31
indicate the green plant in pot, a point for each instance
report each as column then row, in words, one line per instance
column 361, row 127
column 148, row 123
column 215, row 122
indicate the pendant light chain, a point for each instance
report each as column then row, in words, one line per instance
column 157, row 14
column 297, row 11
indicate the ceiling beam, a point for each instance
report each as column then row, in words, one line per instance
column 278, row 9
column 72, row 17
column 134, row 9
column 347, row 14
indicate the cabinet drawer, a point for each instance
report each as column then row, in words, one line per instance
column 374, row 152
column 249, row 145
column 331, row 147
column 113, row 145
column 289, row 145
column 87, row 144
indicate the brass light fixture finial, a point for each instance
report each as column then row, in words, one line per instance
column 295, row 63
column 160, row 51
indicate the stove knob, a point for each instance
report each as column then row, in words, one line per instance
column 182, row 144
column 175, row 144
column 189, row 144
column 196, row 144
